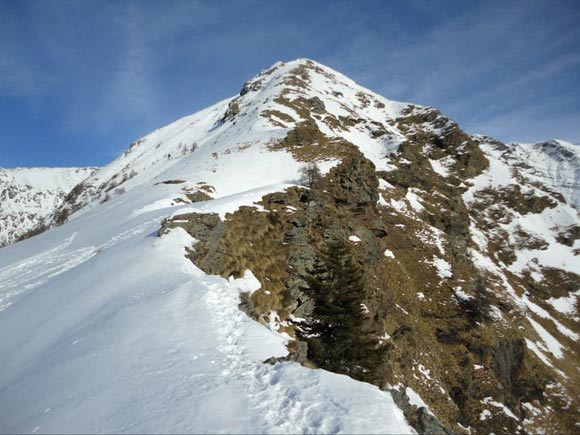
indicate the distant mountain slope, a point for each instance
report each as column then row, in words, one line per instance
column 28, row 195
column 554, row 163
column 126, row 312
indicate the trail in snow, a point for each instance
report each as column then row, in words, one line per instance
column 108, row 328
column 34, row 271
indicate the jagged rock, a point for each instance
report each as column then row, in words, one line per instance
column 354, row 182
column 428, row 424
column 316, row 105
column 198, row 196
column 569, row 235
column 231, row 112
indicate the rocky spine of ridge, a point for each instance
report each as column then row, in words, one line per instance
column 464, row 329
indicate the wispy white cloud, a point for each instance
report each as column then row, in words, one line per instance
column 105, row 67
column 108, row 60
column 491, row 56
column 132, row 88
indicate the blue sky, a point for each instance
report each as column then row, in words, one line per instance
column 80, row 80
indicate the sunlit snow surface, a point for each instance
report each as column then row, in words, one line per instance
column 107, row 328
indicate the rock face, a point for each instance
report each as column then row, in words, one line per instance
column 29, row 195
column 469, row 246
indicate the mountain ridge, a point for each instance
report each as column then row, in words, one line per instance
column 469, row 245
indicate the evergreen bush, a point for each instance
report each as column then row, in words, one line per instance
column 339, row 333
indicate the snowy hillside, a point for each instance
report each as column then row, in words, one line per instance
column 125, row 316
column 28, row 195
column 230, row 140
column 128, row 336
column 107, row 328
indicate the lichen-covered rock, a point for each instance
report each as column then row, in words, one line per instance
column 354, row 182
column 420, row 418
column 316, row 105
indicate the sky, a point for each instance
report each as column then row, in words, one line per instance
column 81, row 80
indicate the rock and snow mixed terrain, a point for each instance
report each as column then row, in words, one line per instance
column 107, row 327
column 28, row 195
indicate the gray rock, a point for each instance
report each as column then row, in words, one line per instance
column 419, row 418
column 316, row 105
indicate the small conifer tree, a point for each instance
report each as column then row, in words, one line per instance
column 339, row 335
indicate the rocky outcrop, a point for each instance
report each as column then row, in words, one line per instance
column 280, row 243
column 419, row 417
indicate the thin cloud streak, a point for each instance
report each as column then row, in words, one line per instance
column 102, row 73
column 486, row 57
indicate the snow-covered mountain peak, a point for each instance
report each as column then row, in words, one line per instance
column 284, row 72
column 285, row 82
column 127, row 317
column 555, row 163
column 559, row 149
column 235, row 136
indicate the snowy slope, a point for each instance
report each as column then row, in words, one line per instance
column 549, row 170
column 538, row 170
column 28, row 195
column 118, row 332
column 230, row 139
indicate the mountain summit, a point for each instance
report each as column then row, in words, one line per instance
column 269, row 105
column 306, row 256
